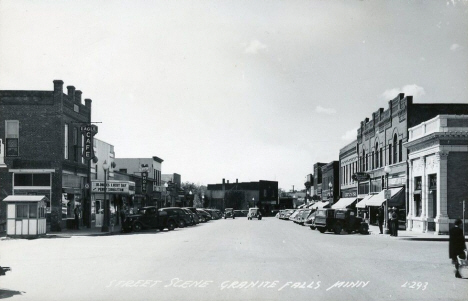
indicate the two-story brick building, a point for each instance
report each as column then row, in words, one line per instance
column 43, row 148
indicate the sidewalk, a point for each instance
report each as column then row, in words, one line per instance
column 410, row 235
column 83, row 231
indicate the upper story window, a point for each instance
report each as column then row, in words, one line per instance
column 12, row 138
column 76, row 149
column 395, row 145
column 66, row 141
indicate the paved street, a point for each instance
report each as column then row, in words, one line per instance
column 229, row 260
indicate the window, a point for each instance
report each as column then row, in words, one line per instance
column 390, row 154
column 400, row 150
column 373, row 161
column 32, row 211
column 12, row 137
column 22, row 211
column 66, row 141
column 75, row 144
column 395, row 145
column 417, row 183
column 381, row 157
column 23, row 179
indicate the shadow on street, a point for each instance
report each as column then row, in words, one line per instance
column 7, row 293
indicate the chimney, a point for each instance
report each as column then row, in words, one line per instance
column 224, row 181
column 237, row 182
column 88, row 103
column 71, row 93
column 228, row 181
column 58, row 85
column 78, row 96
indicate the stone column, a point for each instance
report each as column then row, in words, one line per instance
column 442, row 219
column 410, row 213
column 423, row 194
column 2, row 154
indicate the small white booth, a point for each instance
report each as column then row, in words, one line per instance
column 26, row 215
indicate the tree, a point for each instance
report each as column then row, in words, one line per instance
column 198, row 192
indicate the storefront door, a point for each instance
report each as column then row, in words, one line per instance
column 99, row 214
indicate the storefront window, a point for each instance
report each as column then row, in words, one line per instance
column 417, row 183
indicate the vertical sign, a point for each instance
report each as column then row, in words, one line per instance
column 144, row 179
column 88, row 131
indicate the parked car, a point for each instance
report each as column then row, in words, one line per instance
column 204, row 216
column 288, row 213
column 150, row 217
column 193, row 216
column 311, row 220
column 184, row 218
column 346, row 219
column 228, row 213
column 324, row 220
column 197, row 214
column 293, row 215
column 214, row 213
column 304, row 215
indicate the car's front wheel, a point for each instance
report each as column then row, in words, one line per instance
column 182, row 224
column 171, row 225
column 312, row 228
column 137, row 227
column 322, row 229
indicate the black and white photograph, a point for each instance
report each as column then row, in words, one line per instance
column 233, row 150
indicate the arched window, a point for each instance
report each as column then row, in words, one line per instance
column 377, row 155
column 363, row 161
column 395, row 148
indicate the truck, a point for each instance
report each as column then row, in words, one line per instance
column 336, row 220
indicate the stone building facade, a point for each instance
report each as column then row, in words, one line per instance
column 438, row 173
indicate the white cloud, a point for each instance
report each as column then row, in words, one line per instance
column 454, row 47
column 329, row 111
column 254, row 47
column 350, row 135
column 413, row 90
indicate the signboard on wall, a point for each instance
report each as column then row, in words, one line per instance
column 144, row 181
column 361, row 176
column 113, row 187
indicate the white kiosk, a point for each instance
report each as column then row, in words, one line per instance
column 26, row 215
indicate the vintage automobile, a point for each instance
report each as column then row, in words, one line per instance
column 228, row 213
column 305, row 214
column 254, row 213
column 310, row 221
column 151, row 217
column 336, row 220
column 346, row 219
column 324, row 220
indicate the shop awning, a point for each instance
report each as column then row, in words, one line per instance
column 26, row 198
column 364, row 201
column 319, row 205
column 344, row 203
column 395, row 200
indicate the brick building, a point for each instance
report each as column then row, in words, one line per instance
column 317, row 180
column 43, row 148
column 438, row 173
column 380, row 145
column 263, row 194
column 331, row 182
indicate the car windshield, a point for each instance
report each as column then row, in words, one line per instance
column 321, row 213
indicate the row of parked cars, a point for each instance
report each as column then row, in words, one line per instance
column 168, row 218
column 326, row 219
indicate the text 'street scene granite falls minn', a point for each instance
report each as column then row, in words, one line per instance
column 233, row 150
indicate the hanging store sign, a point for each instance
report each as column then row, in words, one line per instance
column 361, row 176
column 88, row 131
column 144, row 181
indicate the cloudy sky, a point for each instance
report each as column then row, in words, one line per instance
column 253, row 90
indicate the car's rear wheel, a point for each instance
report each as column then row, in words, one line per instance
column 322, row 230
column 363, row 229
column 337, row 229
column 312, row 228
column 171, row 225
column 137, row 227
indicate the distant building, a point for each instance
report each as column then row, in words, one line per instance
column 331, row 182
column 263, row 194
column 317, row 178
